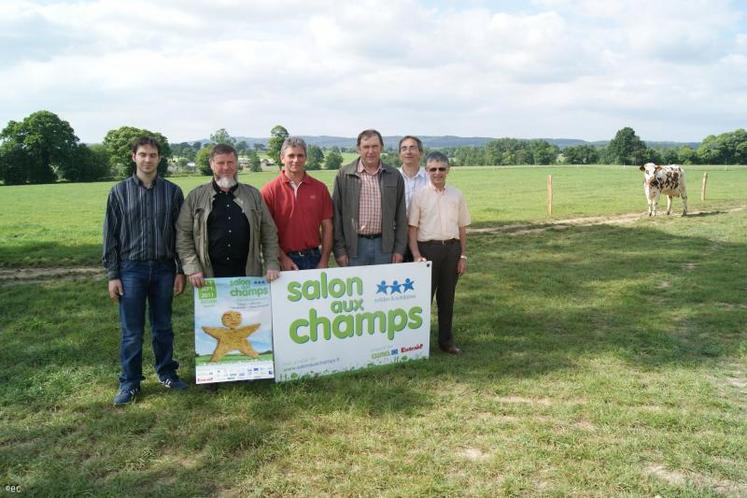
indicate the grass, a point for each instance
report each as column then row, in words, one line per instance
column 60, row 225
column 601, row 361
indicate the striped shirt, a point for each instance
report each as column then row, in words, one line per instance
column 139, row 224
column 369, row 204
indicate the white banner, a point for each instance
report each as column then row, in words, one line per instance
column 339, row 319
column 233, row 330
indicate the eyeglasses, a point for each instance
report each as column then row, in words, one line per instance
column 433, row 170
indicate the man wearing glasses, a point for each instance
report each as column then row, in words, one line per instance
column 438, row 218
column 410, row 152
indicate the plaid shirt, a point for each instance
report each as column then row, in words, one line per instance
column 369, row 208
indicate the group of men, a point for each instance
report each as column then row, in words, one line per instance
column 153, row 237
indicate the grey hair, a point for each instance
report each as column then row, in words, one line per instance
column 292, row 142
column 438, row 157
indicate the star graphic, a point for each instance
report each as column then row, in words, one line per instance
column 396, row 287
column 231, row 337
column 409, row 285
column 381, row 288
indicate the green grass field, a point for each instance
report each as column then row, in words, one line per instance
column 601, row 360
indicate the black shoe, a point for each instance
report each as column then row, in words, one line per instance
column 174, row 383
column 125, row 396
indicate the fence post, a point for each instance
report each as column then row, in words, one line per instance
column 703, row 187
column 549, row 195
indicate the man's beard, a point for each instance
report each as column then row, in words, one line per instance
column 226, row 182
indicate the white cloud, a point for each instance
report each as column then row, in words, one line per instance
column 672, row 70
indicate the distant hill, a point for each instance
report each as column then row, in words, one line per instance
column 438, row 142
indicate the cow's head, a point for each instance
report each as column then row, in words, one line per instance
column 649, row 170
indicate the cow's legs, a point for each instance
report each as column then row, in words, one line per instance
column 669, row 205
column 684, row 204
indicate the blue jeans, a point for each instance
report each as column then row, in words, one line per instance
column 370, row 253
column 151, row 281
column 306, row 260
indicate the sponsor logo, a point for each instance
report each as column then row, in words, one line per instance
column 408, row 349
column 395, row 287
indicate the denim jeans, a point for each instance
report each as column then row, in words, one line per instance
column 151, row 281
column 308, row 260
column 370, row 253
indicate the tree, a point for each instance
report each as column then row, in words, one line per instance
column 255, row 165
column 315, row 157
column 278, row 134
column 333, row 159
column 581, row 154
column 626, row 148
column 91, row 163
column 45, row 145
column 14, row 163
column 202, row 160
column 119, row 142
column 222, row 137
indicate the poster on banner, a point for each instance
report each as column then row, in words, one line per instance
column 339, row 319
column 233, row 330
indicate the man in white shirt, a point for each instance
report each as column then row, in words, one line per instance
column 437, row 232
column 410, row 152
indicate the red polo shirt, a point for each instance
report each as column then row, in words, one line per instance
column 298, row 214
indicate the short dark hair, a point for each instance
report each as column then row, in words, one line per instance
column 437, row 157
column 223, row 149
column 410, row 137
column 140, row 141
column 368, row 134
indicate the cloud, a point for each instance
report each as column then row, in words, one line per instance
column 583, row 69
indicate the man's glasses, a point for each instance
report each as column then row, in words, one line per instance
column 433, row 170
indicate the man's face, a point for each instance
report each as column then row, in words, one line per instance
column 370, row 151
column 409, row 153
column 437, row 172
column 294, row 160
column 224, row 165
column 146, row 159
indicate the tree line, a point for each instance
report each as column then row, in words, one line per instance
column 625, row 148
column 42, row 148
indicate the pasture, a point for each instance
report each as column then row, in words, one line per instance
column 604, row 359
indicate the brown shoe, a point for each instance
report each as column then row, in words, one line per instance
column 451, row 349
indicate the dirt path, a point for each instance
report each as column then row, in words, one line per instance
column 11, row 276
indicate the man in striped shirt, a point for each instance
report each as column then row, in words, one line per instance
column 142, row 266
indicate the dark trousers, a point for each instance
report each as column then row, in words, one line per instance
column 151, row 282
column 444, row 258
column 306, row 260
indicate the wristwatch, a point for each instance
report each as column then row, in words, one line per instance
column 463, row 257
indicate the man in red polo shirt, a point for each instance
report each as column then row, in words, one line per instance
column 302, row 210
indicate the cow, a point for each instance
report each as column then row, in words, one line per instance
column 667, row 180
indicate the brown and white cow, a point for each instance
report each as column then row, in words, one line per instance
column 667, row 180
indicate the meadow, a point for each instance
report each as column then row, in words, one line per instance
column 601, row 360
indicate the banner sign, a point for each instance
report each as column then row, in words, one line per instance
column 233, row 330
column 339, row 319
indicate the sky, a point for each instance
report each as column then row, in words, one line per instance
column 670, row 69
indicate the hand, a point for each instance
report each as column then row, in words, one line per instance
column 115, row 289
column 179, row 280
column 396, row 257
column 342, row 260
column 197, row 279
column 323, row 263
column 418, row 258
column 287, row 264
column 461, row 266
column 273, row 275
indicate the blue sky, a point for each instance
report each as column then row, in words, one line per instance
column 672, row 70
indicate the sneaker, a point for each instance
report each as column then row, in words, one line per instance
column 174, row 383
column 126, row 396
